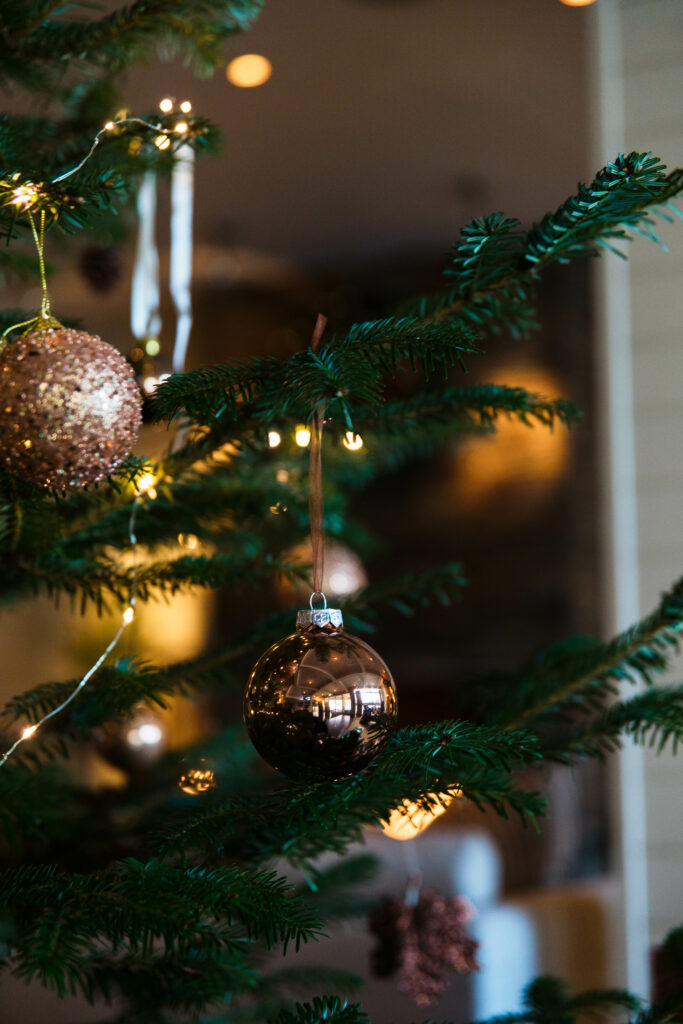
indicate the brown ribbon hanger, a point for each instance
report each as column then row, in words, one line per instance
column 316, row 511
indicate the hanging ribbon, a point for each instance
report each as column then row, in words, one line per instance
column 182, row 199
column 316, row 511
column 145, row 318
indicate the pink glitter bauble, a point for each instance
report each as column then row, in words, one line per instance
column 70, row 409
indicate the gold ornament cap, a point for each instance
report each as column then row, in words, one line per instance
column 320, row 618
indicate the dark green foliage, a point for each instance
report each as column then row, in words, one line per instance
column 181, row 926
column 323, row 1008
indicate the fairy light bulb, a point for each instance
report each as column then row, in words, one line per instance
column 24, row 196
column 249, row 70
column 162, row 142
column 166, row 105
column 353, row 442
column 182, row 128
column 109, row 126
column 128, row 615
column 410, row 819
column 302, row 436
column 28, row 731
column 145, row 485
column 274, row 438
column 185, row 107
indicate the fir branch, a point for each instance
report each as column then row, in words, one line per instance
column 579, row 675
column 130, row 34
column 479, row 406
column 323, row 1010
column 64, row 923
column 654, row 717
column 494, row 267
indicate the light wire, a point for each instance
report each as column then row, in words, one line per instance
column 128, row 615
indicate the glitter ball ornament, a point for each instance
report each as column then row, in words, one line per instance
column 320, row 703
column 70, row 410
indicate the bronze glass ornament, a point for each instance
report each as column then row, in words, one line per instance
column 320, row 703
column 70, row 409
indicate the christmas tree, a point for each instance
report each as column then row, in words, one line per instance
column 164, row 905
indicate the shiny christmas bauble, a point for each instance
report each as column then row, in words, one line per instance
column 320, row 703
column 70, row 409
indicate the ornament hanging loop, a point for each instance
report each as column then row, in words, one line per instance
column 317, row 593
column 316, row 512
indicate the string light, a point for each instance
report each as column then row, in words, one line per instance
column 249, row 70
column 354, row 442
column 145, row 485
column 25, row 195
column 186, row 106
column 162, row 142
column 166, row 105
column 302, row 436
column 410, row 819
column 29, row 730
column 149, row 384
column 109, row 126
column 274, row 438
column 182, row 128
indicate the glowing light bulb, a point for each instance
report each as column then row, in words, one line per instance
column 352, row 441
column 24, row 196
column 149, row 384
column 273, row 438
column 109, row 126
column 128, row 616
column 166, row 105
column 182, row 128
column 28, row 731
column 410, row 820
column 162, row 142
column 145, row 485
column 186, row 106
column 302, row 436
column 152, row 347
column 249, row 70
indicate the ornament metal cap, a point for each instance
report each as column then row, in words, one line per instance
column 320, row 617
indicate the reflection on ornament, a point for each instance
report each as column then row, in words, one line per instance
column 189, row 541
column 249, row 70
column 410, row 819
column 74, row 398
column 274, row 438
column 302, row 436
column 352, row 441
column 320, row 703
column 195, row 781
column 343, row 572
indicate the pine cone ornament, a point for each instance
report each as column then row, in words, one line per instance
column 422, row 942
